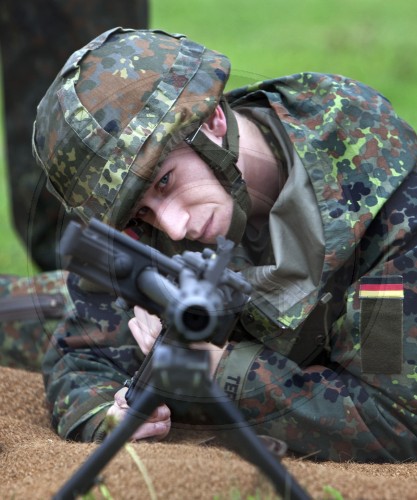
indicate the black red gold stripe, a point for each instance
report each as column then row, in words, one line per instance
column 390, row 287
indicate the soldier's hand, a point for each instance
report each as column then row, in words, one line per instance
column 145, row 328
column 158, row 425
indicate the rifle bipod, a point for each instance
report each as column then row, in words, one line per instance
column 180, row 377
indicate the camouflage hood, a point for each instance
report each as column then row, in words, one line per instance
column 357, row 152
column 116, row 109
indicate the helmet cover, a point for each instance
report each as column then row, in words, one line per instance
column 116, row 109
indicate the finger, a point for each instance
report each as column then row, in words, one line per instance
column 135, row 329
column 116, row 412
column 120, row 398
column 143, row 339
column 147, row 321
column 161, row 413
column 143, row 336
column 157, row 425
column 119, row 407
column 152, row 430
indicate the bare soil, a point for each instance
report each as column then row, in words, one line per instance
column 35, row 462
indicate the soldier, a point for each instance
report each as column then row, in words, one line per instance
column 36, row 38
column 312, row 175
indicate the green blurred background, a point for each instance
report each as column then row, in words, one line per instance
column 370, row 40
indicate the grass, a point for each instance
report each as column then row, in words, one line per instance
column 369, row 40
column 13, row 258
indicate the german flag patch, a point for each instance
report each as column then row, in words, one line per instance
column 381, row 323
column 387, row 287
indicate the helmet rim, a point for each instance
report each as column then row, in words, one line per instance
column 98, row 159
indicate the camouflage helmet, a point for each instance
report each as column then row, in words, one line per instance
column 116, row 109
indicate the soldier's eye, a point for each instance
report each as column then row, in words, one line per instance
column 164, row 181
column 142, row 212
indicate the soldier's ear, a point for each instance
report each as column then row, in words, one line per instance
column 215, row 126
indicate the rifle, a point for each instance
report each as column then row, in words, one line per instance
column 199, row 299
column 194, row 292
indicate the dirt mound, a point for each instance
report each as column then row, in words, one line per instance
column 35, row 463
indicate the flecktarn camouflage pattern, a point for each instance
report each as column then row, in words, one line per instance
column 354, row 160
column 30, row 310
column 100, row 154
column 359, row 402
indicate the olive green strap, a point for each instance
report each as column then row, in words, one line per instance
column 222, row 160
column 234, row 368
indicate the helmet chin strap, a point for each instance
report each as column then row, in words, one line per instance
column 237, row 224
column 223, row 161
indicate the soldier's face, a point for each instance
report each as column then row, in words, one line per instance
column 186, row 200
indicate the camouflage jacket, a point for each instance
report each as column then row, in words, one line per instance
column 30, row 310
column 324, row 355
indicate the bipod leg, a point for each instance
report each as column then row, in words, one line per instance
column 238, row 433
column 86, row 476
column 186, row 367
